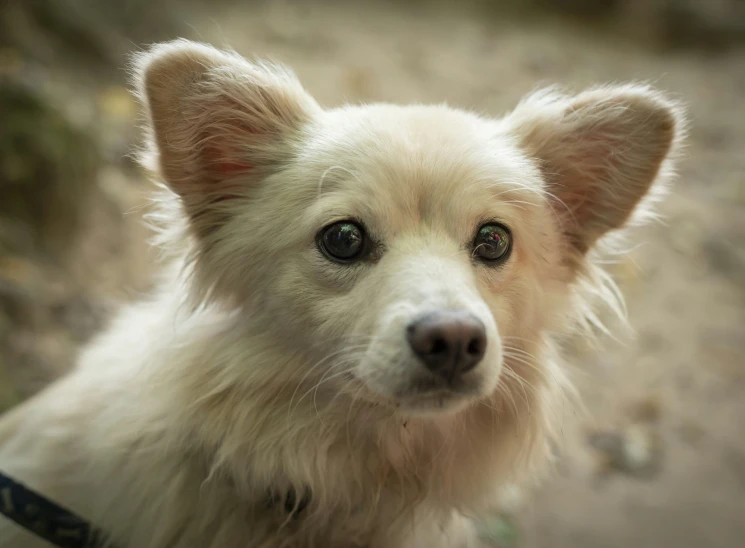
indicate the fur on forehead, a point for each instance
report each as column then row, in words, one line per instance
column 423, row 162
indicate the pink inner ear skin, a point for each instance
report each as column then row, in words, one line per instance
column 225, row 164
column 222, row 162
column 222, row 156
column 594, row 166
column 222, row 166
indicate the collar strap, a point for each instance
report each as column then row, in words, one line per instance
column 64, row 529
column 45, row 519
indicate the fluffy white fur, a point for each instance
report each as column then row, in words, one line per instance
column 259, row 366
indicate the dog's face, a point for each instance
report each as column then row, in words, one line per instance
column 414, row 246
column 406, row 250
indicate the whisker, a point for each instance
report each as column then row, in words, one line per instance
column 307, row 373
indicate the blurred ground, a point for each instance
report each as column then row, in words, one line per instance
column 659, row 460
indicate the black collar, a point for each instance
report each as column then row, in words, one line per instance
column 64, row 529
column 46, row 519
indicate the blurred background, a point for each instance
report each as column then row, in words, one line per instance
column 659, row 458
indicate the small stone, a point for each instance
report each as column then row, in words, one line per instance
column 641, row 450
column 634, row 450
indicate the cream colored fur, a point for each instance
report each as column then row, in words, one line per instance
column 260, row 366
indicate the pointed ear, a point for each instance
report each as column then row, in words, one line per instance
column 599, row 152
column 217, row 123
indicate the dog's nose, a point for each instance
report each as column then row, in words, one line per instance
column 449, row 343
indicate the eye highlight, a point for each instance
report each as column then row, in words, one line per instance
column 492, row 243
column 342, row 242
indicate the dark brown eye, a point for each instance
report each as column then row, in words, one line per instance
column 492, row 243
column 343, row 241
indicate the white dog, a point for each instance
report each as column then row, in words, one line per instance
column 352, row 344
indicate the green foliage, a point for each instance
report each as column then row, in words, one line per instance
column 46, row 167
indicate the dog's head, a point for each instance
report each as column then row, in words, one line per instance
column 408, row 252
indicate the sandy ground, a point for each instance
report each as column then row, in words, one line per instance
column 659, row 459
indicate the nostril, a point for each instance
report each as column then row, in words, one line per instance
column 439, row 346
column 475, row 347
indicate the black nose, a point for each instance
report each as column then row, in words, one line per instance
column 449, row 343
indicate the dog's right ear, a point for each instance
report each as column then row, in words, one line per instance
column 217, row 123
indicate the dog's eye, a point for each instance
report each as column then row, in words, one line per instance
column 343, row 241
column 492, row 242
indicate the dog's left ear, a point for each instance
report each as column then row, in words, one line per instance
column 599, row 152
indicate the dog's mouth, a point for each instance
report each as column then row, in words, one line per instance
column 422, row 396
column 429, row 395
column 433, row 384
column 435, row 401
